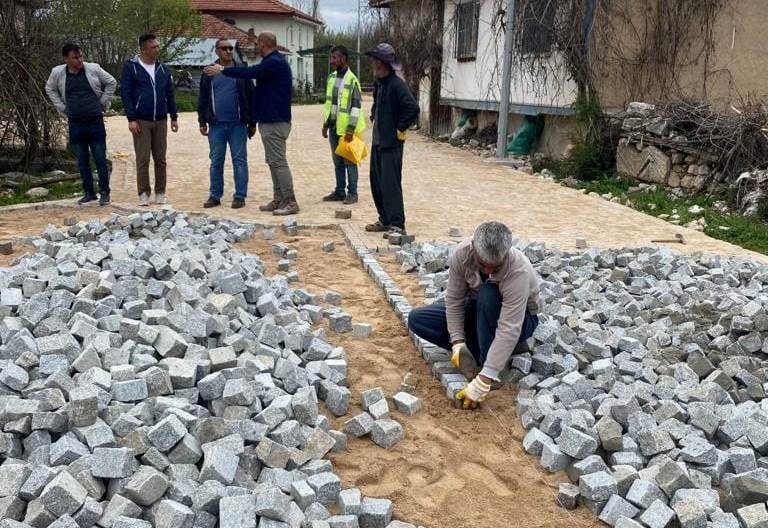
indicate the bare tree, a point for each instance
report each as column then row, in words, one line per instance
column 27, row 120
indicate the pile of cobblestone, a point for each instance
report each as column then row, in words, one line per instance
column 645, row 382
column 152, row 375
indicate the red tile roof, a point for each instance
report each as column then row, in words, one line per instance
column 213, row 27
column 267, row 7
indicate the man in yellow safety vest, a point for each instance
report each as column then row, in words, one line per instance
column 342, row 117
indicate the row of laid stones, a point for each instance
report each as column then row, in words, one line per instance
column 645, row 381
column 442, row 368
column 152, row 375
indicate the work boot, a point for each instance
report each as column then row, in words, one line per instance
column 104, row 200
column 377, row 227
column 87, row 199
column 290, row 207
column 269, row 207
column 238, row 203
column 333, row 197
column 395, row 230
column 350, row 199
column 211, row 202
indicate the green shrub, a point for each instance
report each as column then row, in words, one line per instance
column 186, row 102
column 117, row 105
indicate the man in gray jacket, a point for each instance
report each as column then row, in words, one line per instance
column 491, row 303
column 82, row 91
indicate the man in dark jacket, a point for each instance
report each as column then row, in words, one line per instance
column 394, row 110
column 146, row 88
column 225, row 113
column 82, row 91
column 273, row 112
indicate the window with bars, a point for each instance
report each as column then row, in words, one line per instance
column 538, row 22
column 467, row 18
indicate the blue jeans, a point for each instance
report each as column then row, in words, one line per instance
column 344, row 168
column 236, row 135
column 481, row 316
column 89, row 138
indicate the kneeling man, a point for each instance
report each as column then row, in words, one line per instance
column 491, row 303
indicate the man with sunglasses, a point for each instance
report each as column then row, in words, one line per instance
column 274, row 82
column 491, row 302
column 225, row 113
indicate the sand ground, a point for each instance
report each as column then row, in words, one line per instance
column 455, row 468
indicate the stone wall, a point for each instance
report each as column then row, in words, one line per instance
column 650, row 152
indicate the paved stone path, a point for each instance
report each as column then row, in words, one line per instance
column 444, row 186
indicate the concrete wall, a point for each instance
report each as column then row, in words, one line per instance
column 292, row 33
column 737, row 69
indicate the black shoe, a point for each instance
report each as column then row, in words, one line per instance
column 87, row 199
column 238, row 203
column 211, row 202
column 333, row 197
column 350, row 199
column 104, row 200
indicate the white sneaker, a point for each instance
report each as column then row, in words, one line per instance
column 143, row 199
column 160, row 198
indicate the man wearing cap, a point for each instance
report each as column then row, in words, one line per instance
column 491, row 302
column 394, row 110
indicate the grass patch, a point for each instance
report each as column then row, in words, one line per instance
column 57, row 191
column 749, row 232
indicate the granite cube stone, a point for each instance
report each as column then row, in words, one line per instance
column 237, row 511
column 112, row 463
column 658, row 515
column 376, row 513
column 615, row 508
column 568, row 495
column 63, row 495
column 407, row 403
column 386, row 433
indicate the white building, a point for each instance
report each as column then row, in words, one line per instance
column 471, row 67
column 295, row 29
column 473, row 49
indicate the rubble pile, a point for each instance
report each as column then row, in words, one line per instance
column 152, row 375
column 652, row 151
column 645, row 382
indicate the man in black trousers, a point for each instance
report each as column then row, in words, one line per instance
column 394, row 110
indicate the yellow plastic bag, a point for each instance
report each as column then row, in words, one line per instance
column 354, row 151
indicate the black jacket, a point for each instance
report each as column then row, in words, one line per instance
column 245, row 98
column 394, row 108
column 144, row 98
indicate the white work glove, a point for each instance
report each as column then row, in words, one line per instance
column 462, row 358
column 475, row 392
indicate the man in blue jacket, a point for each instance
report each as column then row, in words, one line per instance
column 273, row 112
column 146, row 88
column 225, row 113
